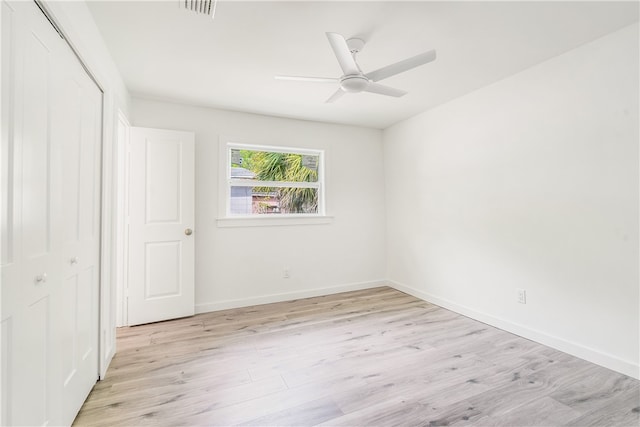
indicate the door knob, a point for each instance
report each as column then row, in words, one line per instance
column 74, row 260
column 41, row 278
column 188, row 231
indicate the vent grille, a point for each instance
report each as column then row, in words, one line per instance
column 205, row 7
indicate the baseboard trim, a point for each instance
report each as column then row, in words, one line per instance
column 595, row 356
column 286, row 296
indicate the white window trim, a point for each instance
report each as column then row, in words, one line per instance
column 226, row 219
column 239, row 182
column 273, row 221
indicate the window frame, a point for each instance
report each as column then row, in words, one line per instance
column 228, row 219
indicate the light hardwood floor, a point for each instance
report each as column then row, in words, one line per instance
column 373, row 357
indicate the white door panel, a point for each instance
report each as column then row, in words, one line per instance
column 161, row 208
column 51, row 139
column 162, row 261
column 78, row 136
column 29, row 369
column 162, row 192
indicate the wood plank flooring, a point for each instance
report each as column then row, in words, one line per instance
column 376, row 357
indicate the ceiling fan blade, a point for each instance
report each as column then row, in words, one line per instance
column 384, row 90
column 343, row 54
column 308, row 79
column 402, row 66
column 333, row 98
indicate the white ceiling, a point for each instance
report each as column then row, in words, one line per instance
column 168, row 53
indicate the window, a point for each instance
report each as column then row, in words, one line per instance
column 263, row 181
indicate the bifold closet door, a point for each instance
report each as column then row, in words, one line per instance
column 51, row 143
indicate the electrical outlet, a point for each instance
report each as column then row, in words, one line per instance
column 286, row 273
column 522, row 296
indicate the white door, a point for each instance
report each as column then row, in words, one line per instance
column 51, row 142
column 161, row 218
column 76, row 132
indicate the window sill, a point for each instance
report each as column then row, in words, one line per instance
column 273, row 221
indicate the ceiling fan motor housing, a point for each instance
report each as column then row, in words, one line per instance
column 354, row 83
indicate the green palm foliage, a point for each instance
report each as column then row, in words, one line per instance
column 270, row 166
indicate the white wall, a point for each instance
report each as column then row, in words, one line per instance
column 529, row 183
column 76, row 22
column 238, row 266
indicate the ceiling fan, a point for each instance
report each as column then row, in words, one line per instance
column 354, row 80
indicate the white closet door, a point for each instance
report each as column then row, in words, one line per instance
column 76, row 133
column 51, row 139
column 161, row 217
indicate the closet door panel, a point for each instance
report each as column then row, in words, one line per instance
column 10, row 230
column 29, row 272
column 36, row 149
column 51, row 144
column 78, row 136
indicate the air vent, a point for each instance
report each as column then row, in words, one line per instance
column 205, row 7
